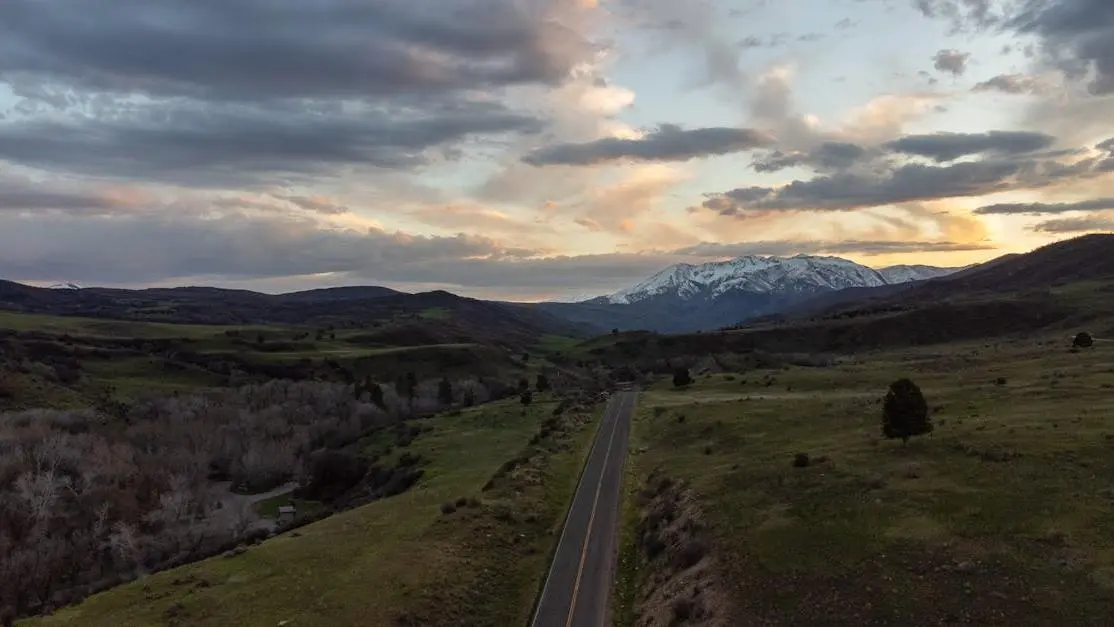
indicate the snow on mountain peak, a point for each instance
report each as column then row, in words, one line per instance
column 797, row 274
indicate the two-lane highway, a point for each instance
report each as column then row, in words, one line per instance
column 580, row 578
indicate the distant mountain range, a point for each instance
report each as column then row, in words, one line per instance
column 803, row 274
column 680, row 299
column 687, row 297
column 1052, row 292
column 427, row 317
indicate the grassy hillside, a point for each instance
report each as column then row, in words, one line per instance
column 1002, row 516
column 1011, row 316
column 71, row 361
column 373, row 308
column 1082, row 261
column 469, row 543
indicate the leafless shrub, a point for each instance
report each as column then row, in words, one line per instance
column 85, row 503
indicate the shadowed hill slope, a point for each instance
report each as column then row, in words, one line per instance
column 503, row 324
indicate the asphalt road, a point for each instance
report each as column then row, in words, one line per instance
column 582, row 573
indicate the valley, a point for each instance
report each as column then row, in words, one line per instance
column 557, row 313
column 435, row 457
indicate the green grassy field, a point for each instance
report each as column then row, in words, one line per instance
column 336, row 350
column 397, row 559
column 96, row 327
column 269, row 508
column 1003, row 515
column 558, row 344
column 435, row 313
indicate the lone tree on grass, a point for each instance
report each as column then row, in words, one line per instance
column 542, row 384
column 681, row 377
column 526, row 398
column 1083, row 340
column 905, row 412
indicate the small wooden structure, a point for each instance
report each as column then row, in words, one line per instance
column 286, row 513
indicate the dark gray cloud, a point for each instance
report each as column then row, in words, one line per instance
column 19, row 194
column 953, row 62
column 1011, row 84
column 251, row 49
column 830, row 155
column 841, row 247
column 1078, row 35
column 943, row 147
column 1075, row 225
column 220, row 93
column 239, row 145
column 160, row 246
column 1075, row 35
column 668, row 143
column 1034, row 208
column 19, row 200
column 893, row 184
column 962, row 14
column 847, row 190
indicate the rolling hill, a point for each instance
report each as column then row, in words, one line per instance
column 439, row 313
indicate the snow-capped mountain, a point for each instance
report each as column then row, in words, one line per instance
column 65, row 286
column 686, row 297
column 798, row 275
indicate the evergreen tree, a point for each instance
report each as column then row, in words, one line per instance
column 543, row 383
column 445, row 391
column 681, row 377
column 376, row 393
column 1083, row 340
column 905, row 412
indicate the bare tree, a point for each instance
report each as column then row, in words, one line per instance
column 124, row 541
column 243, row 518
column 40, row 490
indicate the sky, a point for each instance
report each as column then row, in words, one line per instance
column 541, row 149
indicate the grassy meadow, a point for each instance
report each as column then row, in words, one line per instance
column 1003, row 515
column 469, row 543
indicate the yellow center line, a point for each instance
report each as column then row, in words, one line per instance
column 592, row 516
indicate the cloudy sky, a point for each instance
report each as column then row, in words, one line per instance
column 535, row 149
